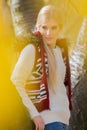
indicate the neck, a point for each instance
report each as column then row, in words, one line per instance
column 53, row 46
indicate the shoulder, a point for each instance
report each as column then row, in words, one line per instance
column 63, row 45
column 62, row 42
column 28, row 50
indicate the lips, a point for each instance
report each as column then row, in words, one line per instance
column 49, row 38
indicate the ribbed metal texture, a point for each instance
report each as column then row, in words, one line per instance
column 24, row 14
column 79, row 54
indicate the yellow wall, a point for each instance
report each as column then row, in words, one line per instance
column 12, row 112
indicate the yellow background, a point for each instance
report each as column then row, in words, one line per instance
column 12, row 112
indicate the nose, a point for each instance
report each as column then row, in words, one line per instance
column 48, row 31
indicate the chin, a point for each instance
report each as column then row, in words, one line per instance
column 50, row 44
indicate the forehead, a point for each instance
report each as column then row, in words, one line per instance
column 48, row 21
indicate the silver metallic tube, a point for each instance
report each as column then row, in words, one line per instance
column 24, row 14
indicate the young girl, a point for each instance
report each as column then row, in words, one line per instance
column 48, row 104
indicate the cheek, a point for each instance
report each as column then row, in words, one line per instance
column 43, row 33
column 56, row 33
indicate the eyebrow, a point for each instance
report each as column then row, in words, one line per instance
column 53, row 27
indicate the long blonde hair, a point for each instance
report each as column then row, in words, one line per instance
column 48, row 12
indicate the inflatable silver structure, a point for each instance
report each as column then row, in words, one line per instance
column 79, row 54
column 24, row 14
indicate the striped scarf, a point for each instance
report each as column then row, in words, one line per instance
column 37, row 87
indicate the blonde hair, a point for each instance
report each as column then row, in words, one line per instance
column 52, row 77
column 50, row 12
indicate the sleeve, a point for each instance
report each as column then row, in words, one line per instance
column 22, row 70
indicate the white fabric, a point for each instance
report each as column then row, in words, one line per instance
column 59, row 105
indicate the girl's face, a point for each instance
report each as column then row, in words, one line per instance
column 49, row 30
